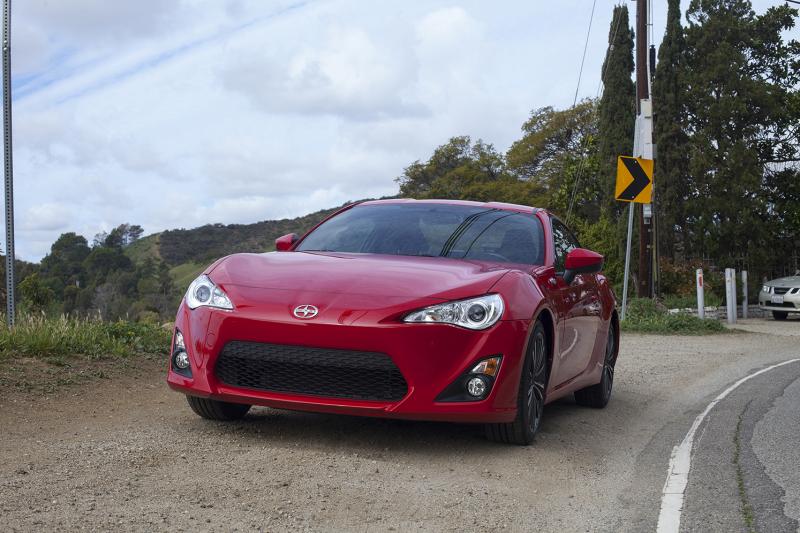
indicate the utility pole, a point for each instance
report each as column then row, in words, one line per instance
column 9, row 168
column 645, row 286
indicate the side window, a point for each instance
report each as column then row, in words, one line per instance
column 563, row 243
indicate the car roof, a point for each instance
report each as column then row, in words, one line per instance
column 491, row 205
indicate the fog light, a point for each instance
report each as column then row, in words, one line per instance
column 476, row 387
column 182, row 360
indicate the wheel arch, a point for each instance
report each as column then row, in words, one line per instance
column 545, row 316
column 614, row 321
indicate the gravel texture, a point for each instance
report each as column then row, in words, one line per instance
column 125, row 452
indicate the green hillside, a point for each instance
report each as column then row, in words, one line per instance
column 209, row 242
column 188, row 251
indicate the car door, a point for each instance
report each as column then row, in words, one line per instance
column 580, row 307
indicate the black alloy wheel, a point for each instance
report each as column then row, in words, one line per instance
column 531, row 397
column 598, row 395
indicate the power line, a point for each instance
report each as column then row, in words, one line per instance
column 582, row 163
column 583, row 59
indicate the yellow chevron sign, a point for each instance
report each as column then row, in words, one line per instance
column 634, row 180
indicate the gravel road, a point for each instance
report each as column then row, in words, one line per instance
column 126, row 453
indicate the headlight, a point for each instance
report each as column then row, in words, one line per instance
column 765, row 288
column 475, row 313
column 202, row 291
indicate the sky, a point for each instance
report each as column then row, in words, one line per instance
column 178, row 113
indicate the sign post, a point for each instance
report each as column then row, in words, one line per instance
column 745, row 303
column 730, row 294
column 701, row 299
column 635, row 186
column 627, row 263
column 9, row 169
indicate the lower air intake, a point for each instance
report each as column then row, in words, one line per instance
column 312, row 371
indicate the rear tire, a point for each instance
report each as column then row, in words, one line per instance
column 780, row 315
column 530, row 399
column 216, row 410
column 597, row 396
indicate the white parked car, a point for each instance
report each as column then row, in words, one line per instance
column 781, row 296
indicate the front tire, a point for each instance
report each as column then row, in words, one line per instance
column 530, row 399
column 780, row 315
column 597, row 396
column 216, row 410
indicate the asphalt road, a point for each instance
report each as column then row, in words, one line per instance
column 126, row 453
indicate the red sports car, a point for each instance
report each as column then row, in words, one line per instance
column 428, row 310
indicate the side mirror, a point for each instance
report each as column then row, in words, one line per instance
column 581, row 261
column 285, row 243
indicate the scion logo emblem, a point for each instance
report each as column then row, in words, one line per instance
column 305, row 311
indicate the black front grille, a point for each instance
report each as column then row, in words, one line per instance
column 780, row 290
column 788, row 305
column 313, row 371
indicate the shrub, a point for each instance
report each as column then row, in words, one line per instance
column 646, row 316
column 35, row 294
column 603, row 237
column 676, row 301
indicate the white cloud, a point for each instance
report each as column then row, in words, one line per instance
column 343, row 71
column 91, row 21
column 46, row 217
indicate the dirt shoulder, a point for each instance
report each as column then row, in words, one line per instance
column 123, row 451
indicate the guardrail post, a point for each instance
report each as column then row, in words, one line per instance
column 744, row 294
column 730, row 294
column 701, row 300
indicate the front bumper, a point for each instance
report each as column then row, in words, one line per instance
column 790, row 304
column 429, row 356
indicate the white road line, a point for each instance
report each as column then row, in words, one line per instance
column 669, row 519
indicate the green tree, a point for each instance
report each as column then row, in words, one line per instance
column 462, row 170
column 102, row 261
column 617, row 108
column 63, row 266
column 672, row 161
column 742, row 117
column 119, row 237
column 555, row 147
column 36, row 296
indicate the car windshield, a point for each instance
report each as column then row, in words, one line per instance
column 432, row 230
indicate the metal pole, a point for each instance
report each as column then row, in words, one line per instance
column 701, row 298
column 645, row 289
column 744, row 294
column 730, row 294
column 9, row 168
column 627, row 261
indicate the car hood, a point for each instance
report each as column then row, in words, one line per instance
column 364, row 274
column 788, row 281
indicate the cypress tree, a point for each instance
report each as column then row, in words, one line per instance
column 741, row 107
column 672, row 163
column 617, row 108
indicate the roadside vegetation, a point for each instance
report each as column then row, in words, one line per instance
column 647, row 316
column 689, row 301
column 54, row 339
